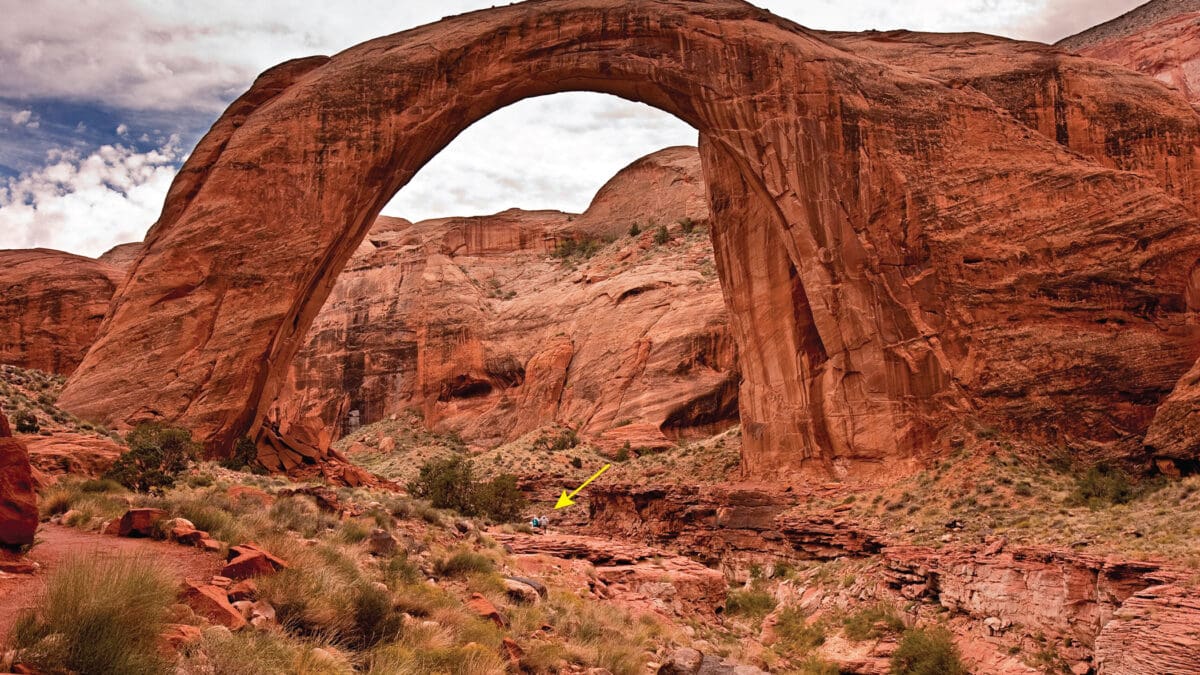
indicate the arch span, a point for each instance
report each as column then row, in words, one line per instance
column 877, row 230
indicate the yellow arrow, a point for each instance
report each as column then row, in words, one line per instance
column 564, row 500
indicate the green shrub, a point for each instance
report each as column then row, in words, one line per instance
column 447, row 484
column 750, row 602
column 796, row 635
column 624, row 454
column 583, row 247
column 927, row 651
column 576, row 463
column 873, row 622
column 26, row 423
column 98, row 616
column 500, row 498
column 244, row 457
column 687, row 225
column 635, row 230
column 157, row 455
column 463, row 562
column 375, row 621
column 1103, row 485
column 450, row 484
column 661, row 235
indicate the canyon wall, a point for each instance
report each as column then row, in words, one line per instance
column 480, row 326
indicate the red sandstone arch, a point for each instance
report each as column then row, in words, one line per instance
column 897, row 252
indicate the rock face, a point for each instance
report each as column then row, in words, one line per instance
column 473, row 322
column 18, row 501
column 51, row 307
column 1159, row 38
column 896, row 248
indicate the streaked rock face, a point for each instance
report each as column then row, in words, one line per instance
column 18, row 501
column 923, row 250
column 51, row 307
column 473, row 322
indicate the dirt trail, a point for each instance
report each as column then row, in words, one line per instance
column 57, row 543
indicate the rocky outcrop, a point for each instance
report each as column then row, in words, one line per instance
column 72, row 453
column 1158, row 38
column 633, row 575
column 924, row 253
column 51, row 307
column 473, row 322
column 18, row 501
column 1154, row 631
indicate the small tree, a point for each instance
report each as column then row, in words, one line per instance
column 661, row 235
column 501, row 499
column 157, row 455
column 447, row 484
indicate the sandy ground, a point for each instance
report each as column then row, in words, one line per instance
column 57, row 543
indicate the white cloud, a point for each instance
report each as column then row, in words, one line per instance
column 122, row 129
column 87, row 204
column 21, row 118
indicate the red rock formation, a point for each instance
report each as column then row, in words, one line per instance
column 472, row 322
column 51, row 307
column 1160, row 38
column 18, row 501
column 943, row 257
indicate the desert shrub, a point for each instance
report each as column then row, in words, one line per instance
column 98, row 616
column 576, row 463
column 244, row 456
column 687, row 225
column 58, row 499
column 873, row 622
column 1103, row 485
column 242, row 653
column 374, row 618
column 661, row 235
column 157, row 455
column 635, row 230
column 927, row 651
column 26, row 423
column 450, row 484
column 624, row 454
column 300, row 513
column 797, row 635
column 471, row 659
column 463, row 562
column 447, row 484
column 752, row 602
column 582, row 247
column 500, row 498
column 353, row 531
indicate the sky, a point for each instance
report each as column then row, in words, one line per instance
column 102, row 100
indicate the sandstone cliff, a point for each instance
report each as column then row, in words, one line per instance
column 477, row 323
column 51, row 307
column 1160, row 38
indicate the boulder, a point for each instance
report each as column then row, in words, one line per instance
column 211, row 603
column 18, row 500
column 141, row 522
column 248, row 560
column 381, row 542
column 484, row 609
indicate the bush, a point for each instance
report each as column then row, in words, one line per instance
column 635, row 230
column 927, row 651
column 870, row 623
column 624, row 454
column 450, row 484
column 750, row 602
column 584, row 247
column 687, row 225
column 500, row 498
column 661, row 235
column 1103, row 485
column 244, row 457
column 26, row 423
column 98, row 616
column 157, row 455
column 797, row 635
column 463, row 562
column 447, row 484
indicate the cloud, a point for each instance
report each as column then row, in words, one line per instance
column 122, row 129
column 23, row 118
column 87, row 204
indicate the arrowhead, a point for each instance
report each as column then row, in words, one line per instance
column 564, row 501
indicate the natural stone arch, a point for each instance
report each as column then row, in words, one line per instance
column 845, row 195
